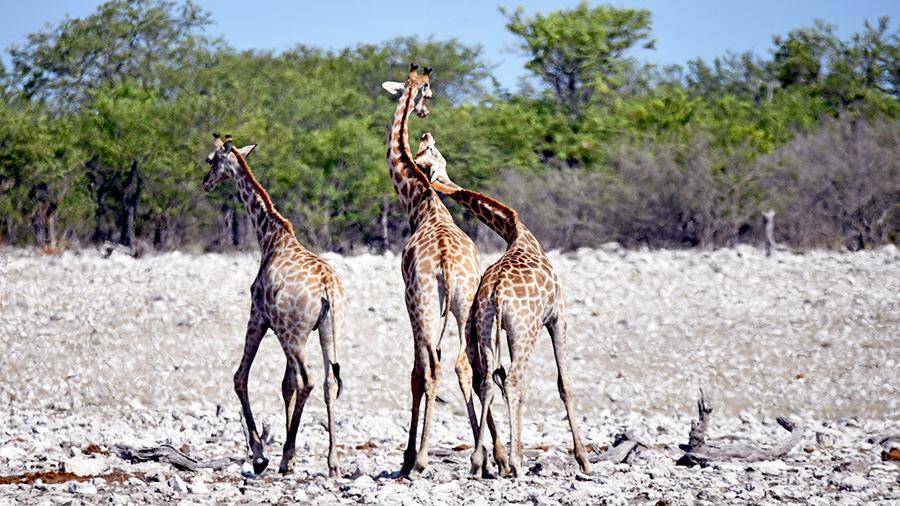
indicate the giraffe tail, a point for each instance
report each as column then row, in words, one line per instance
column 499, row 374
column 446, row 315
column 335, row 366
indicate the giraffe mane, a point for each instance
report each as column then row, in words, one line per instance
column 488, row 205
column 267, row 201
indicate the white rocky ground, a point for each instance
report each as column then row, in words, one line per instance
column 99, row 352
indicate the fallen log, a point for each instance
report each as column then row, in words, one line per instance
column 699, row 451
column 625, row 446
column 170, row 455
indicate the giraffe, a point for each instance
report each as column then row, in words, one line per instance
column 520, row 293
column 440, row 269
column 295, row 292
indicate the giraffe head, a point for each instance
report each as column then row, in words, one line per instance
column 431, row 160
column 419, row 87
column 222, row 162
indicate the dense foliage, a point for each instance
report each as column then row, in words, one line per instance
column 104, row 123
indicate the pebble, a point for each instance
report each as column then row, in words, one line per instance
column 82, row 488
column 853, row 483
column 85, row 466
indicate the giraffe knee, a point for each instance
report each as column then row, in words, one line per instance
column 561, row 386
column 462, row 366
column 240, row 381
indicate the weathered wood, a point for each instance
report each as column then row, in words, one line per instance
column 625, row 446
column 700, row 451
column 170, row 455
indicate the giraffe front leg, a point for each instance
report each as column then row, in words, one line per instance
column 302, row 388
column 432, row 379
column 256, row 329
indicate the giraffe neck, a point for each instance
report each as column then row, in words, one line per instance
column 499, row 217
column 268, row 224
column 409, row 181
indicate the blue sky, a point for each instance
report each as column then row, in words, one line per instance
column 683, row 29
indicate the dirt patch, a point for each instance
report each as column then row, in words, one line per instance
column 56, row 477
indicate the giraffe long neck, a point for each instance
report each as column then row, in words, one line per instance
column 267, row 222
column 409, row 181
column 499, row 217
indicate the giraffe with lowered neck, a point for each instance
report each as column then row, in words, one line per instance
column 440, row 269
column 295, row 292
column 520, row 293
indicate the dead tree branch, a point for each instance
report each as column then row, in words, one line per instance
column 625, row 446
column 170, row 455
column 700, row 451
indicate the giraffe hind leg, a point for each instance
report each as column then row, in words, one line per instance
column 327, row 339
column 558, row 335
column 417, row 387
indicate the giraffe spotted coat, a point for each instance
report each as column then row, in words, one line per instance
column 521, row 294
column 294, row 293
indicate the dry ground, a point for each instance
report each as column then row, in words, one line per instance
column 141, row 352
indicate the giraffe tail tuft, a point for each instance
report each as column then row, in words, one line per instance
column 336, row 369
column 500, row 379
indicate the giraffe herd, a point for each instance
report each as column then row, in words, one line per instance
column 296, row 292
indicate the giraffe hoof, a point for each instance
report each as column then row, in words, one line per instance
column 503, row 468
column 260, row 464
column 488, row 473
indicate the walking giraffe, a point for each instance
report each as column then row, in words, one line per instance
column 440, row 270
column 295, row 292
column 519, row 293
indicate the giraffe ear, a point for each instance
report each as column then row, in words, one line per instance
column 246, row 150
column 392, row 87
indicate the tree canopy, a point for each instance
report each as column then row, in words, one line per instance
column 105, row 120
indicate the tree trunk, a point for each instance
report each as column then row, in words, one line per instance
column 385, row 207
column 130, row 197
column 237, row 236
column 43, row 219
column 99, row 189
column 161, row 233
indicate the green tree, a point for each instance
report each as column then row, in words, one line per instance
column 581, row 52
column 123, row 40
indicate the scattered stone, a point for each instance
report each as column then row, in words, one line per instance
column 177, row 484
column 770, row 467
column 82, row 488
column 85, row 466
column 853, row 483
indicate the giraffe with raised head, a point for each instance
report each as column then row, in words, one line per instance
column 440, row 270
column 521, row 294
column 295, row 292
